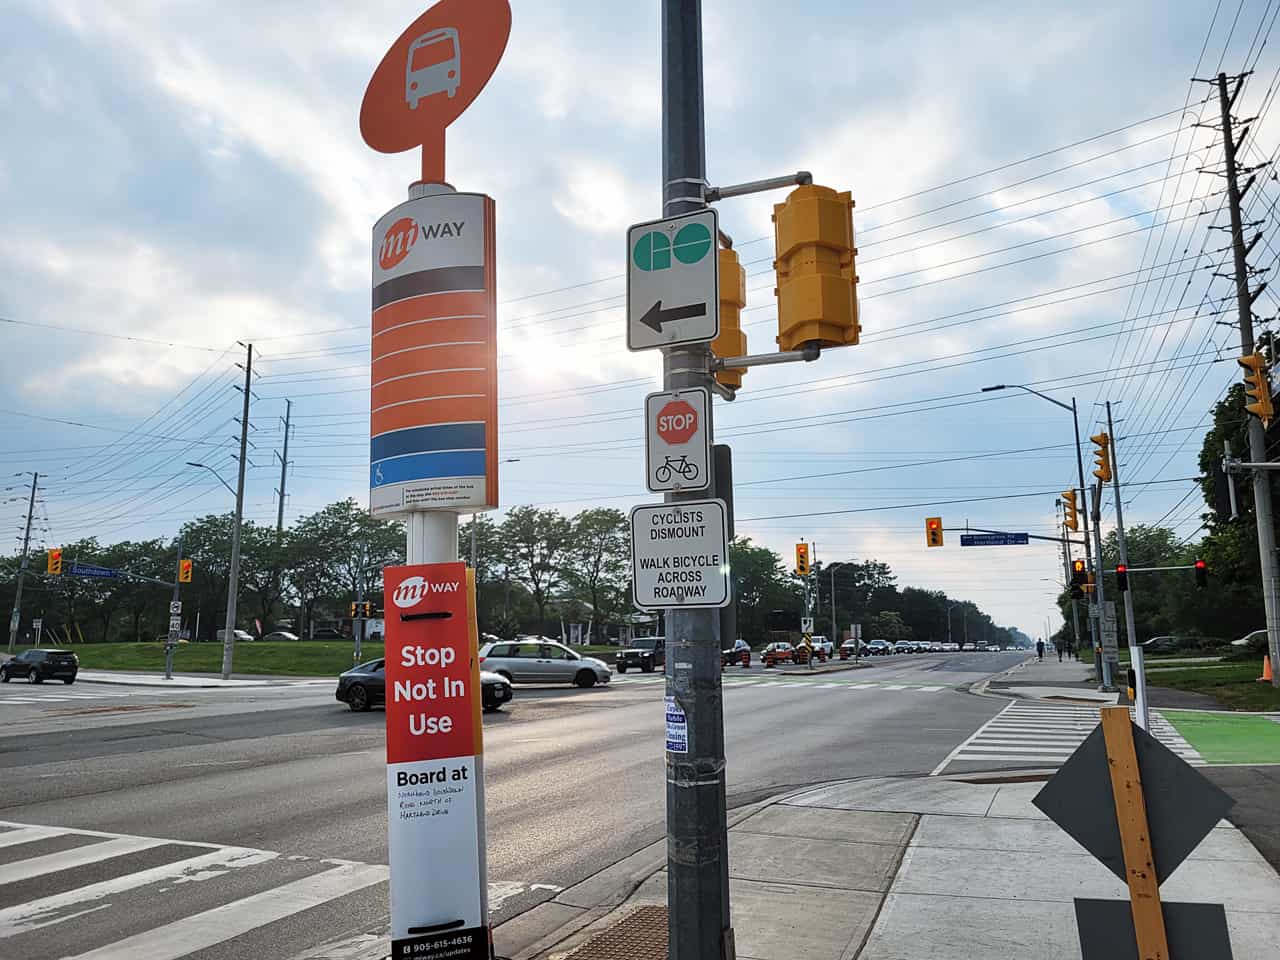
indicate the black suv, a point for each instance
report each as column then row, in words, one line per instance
column 41, row 665
column 643, row 653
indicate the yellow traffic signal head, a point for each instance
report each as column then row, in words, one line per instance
column 732, row 342
column 1079, row 575
column 933, row 532
column 184, row 571
column 1070, row 514
column 54, row 563
column 1102, row 456
column 814, row 254
column 1257, row 387
column 802, row 559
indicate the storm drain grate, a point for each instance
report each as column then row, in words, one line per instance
column 641, row 935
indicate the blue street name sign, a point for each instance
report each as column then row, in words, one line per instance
column 91, row 570
column 994, row 540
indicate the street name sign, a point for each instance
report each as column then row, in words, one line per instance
column 677, row 443
column 673, row 281
column 435, row 786
column 680, row 555
column 994, row 540
column 92, row 570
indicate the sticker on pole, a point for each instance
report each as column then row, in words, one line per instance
column 680, row 555
column 677, row 728
column 677, row 444
column 673, row 281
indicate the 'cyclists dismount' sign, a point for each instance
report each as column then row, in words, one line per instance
column 680, row 555
column 677, row 444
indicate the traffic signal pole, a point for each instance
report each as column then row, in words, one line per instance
column 1257, row 437
column 697, row 833
column 22, row 568
column 1095, row 620
column 169, row 642
column 1130, row 629
column 233, row 576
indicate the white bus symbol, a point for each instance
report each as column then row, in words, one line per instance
column 434, row 66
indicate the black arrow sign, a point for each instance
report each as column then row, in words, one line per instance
column 655, row 316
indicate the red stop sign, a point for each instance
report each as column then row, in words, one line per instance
column 677, row 422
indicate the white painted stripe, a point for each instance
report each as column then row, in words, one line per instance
column 412, row 323
column 825, row 686
column 894, row 686
column 29, row 834
column 49, row 910
column 405, row 403
column 955, row 752
column 208, row 929
column 1037, row 748
column 1057, row 742
column 862, row 686
column 1052, row 758
column 429, row 346
column 929, row 689
column 428, row 373
column 77, row 857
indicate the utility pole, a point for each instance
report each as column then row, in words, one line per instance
column 1095, row 619
column 170, row 640
column 284, row 470
column 1066, row 570
column 1130, row 629
column 1257, row 438
column 698, row 925
column 22, row 568
column 233, row 576
column 1099, row 590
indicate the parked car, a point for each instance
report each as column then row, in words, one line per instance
column 327, row 633
column 935, row 647
column 779, row 652
column 643, row 653
column 37, row 666
column 241, row 636
column 280, row 635
column 530, row 661
column 879, row 648
column 365, row 686
column 852, row 648
column 993, row 648
column 904, row 646
column 740, row 653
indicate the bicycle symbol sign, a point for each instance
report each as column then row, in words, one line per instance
column 677, row 448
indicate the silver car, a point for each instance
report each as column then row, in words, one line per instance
column 543, row 661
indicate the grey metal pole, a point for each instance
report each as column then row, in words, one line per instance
column 1095, row 621
column 169, row 642
column 1066, row 570
column 1130, row 629
column 474, row 517
column 835, row 631
column 284, row 469
column 697, row 834
column 16, row 616
column 1099, row 593
column 1257, row 437
column 233, row 575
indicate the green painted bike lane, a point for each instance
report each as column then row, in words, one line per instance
column 1221, row 738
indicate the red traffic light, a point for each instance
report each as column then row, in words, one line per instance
column 934, row 524
column 1122, row 577
column 1202, row 574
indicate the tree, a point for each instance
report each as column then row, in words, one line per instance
column 535, row 542
column 597, row 558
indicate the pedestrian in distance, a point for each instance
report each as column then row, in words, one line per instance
column 1060, row 646
column 1040, row 650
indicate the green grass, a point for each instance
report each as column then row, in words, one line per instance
column 304, row 658
column 1234, row 685
column 1222, row 739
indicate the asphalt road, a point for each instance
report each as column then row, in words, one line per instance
column 574, row 782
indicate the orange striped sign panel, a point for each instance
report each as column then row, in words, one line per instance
column 433, row 387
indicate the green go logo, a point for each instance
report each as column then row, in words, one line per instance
column 653, row 251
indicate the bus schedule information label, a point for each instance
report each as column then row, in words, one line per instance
column 435, row 790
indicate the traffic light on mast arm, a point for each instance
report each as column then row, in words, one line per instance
column 1071, row 516
column 1257, row 387
column 1103, row 456
column 732, row 342
column 802, row 559
column 1122, row 577
column 1202, row 574
column 53, row 564
column 933, row 532
column 814, row 262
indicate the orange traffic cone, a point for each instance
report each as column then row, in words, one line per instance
column 1266, row 669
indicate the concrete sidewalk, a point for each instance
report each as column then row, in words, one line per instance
column 1050, row 680
column 189, row 680
column 901, row 869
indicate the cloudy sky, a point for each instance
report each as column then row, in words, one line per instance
column 180, row 175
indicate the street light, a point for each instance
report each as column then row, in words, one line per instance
column 475, row 515
column 233, row 576
column 1084, row 506
column 835, row 630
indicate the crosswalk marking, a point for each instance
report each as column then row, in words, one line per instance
column 75, row 857
column 1048, row 733
column 45, row 911
column 208, row 929
column 794, row 681
column 29, row 835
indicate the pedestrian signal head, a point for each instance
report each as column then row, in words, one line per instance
column 1103, row 456
column 732, row 342
column 933, row 532
column 54, row 563
column 1257, row 387
column 1079, row 575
